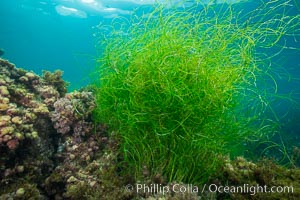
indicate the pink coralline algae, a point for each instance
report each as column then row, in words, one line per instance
column 63, row 116
column 71, row 111
column 12, row 144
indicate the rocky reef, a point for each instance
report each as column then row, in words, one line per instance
column 50, row 148
column 262, row 180
column 27, row 138
column 37, row 121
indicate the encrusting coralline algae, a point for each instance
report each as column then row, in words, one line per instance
column 37, row 119
column 24, row 99
column 70, row 111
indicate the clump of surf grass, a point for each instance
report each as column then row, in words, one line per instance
column 180, row 87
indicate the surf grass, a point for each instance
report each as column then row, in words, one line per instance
column 180, row 86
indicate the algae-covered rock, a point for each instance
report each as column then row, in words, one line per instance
column 56, row 80
column 262, row 180
column 27, row 136
column 70, row 111
column 19, row 102
column 37, row 159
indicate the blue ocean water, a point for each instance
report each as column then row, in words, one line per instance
column 36, row 37
column 60, row 34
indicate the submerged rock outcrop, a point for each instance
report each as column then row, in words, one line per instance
column 49, row 146
column 27, row 137
column 35, row 113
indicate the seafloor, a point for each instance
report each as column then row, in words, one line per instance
column 50, row 148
